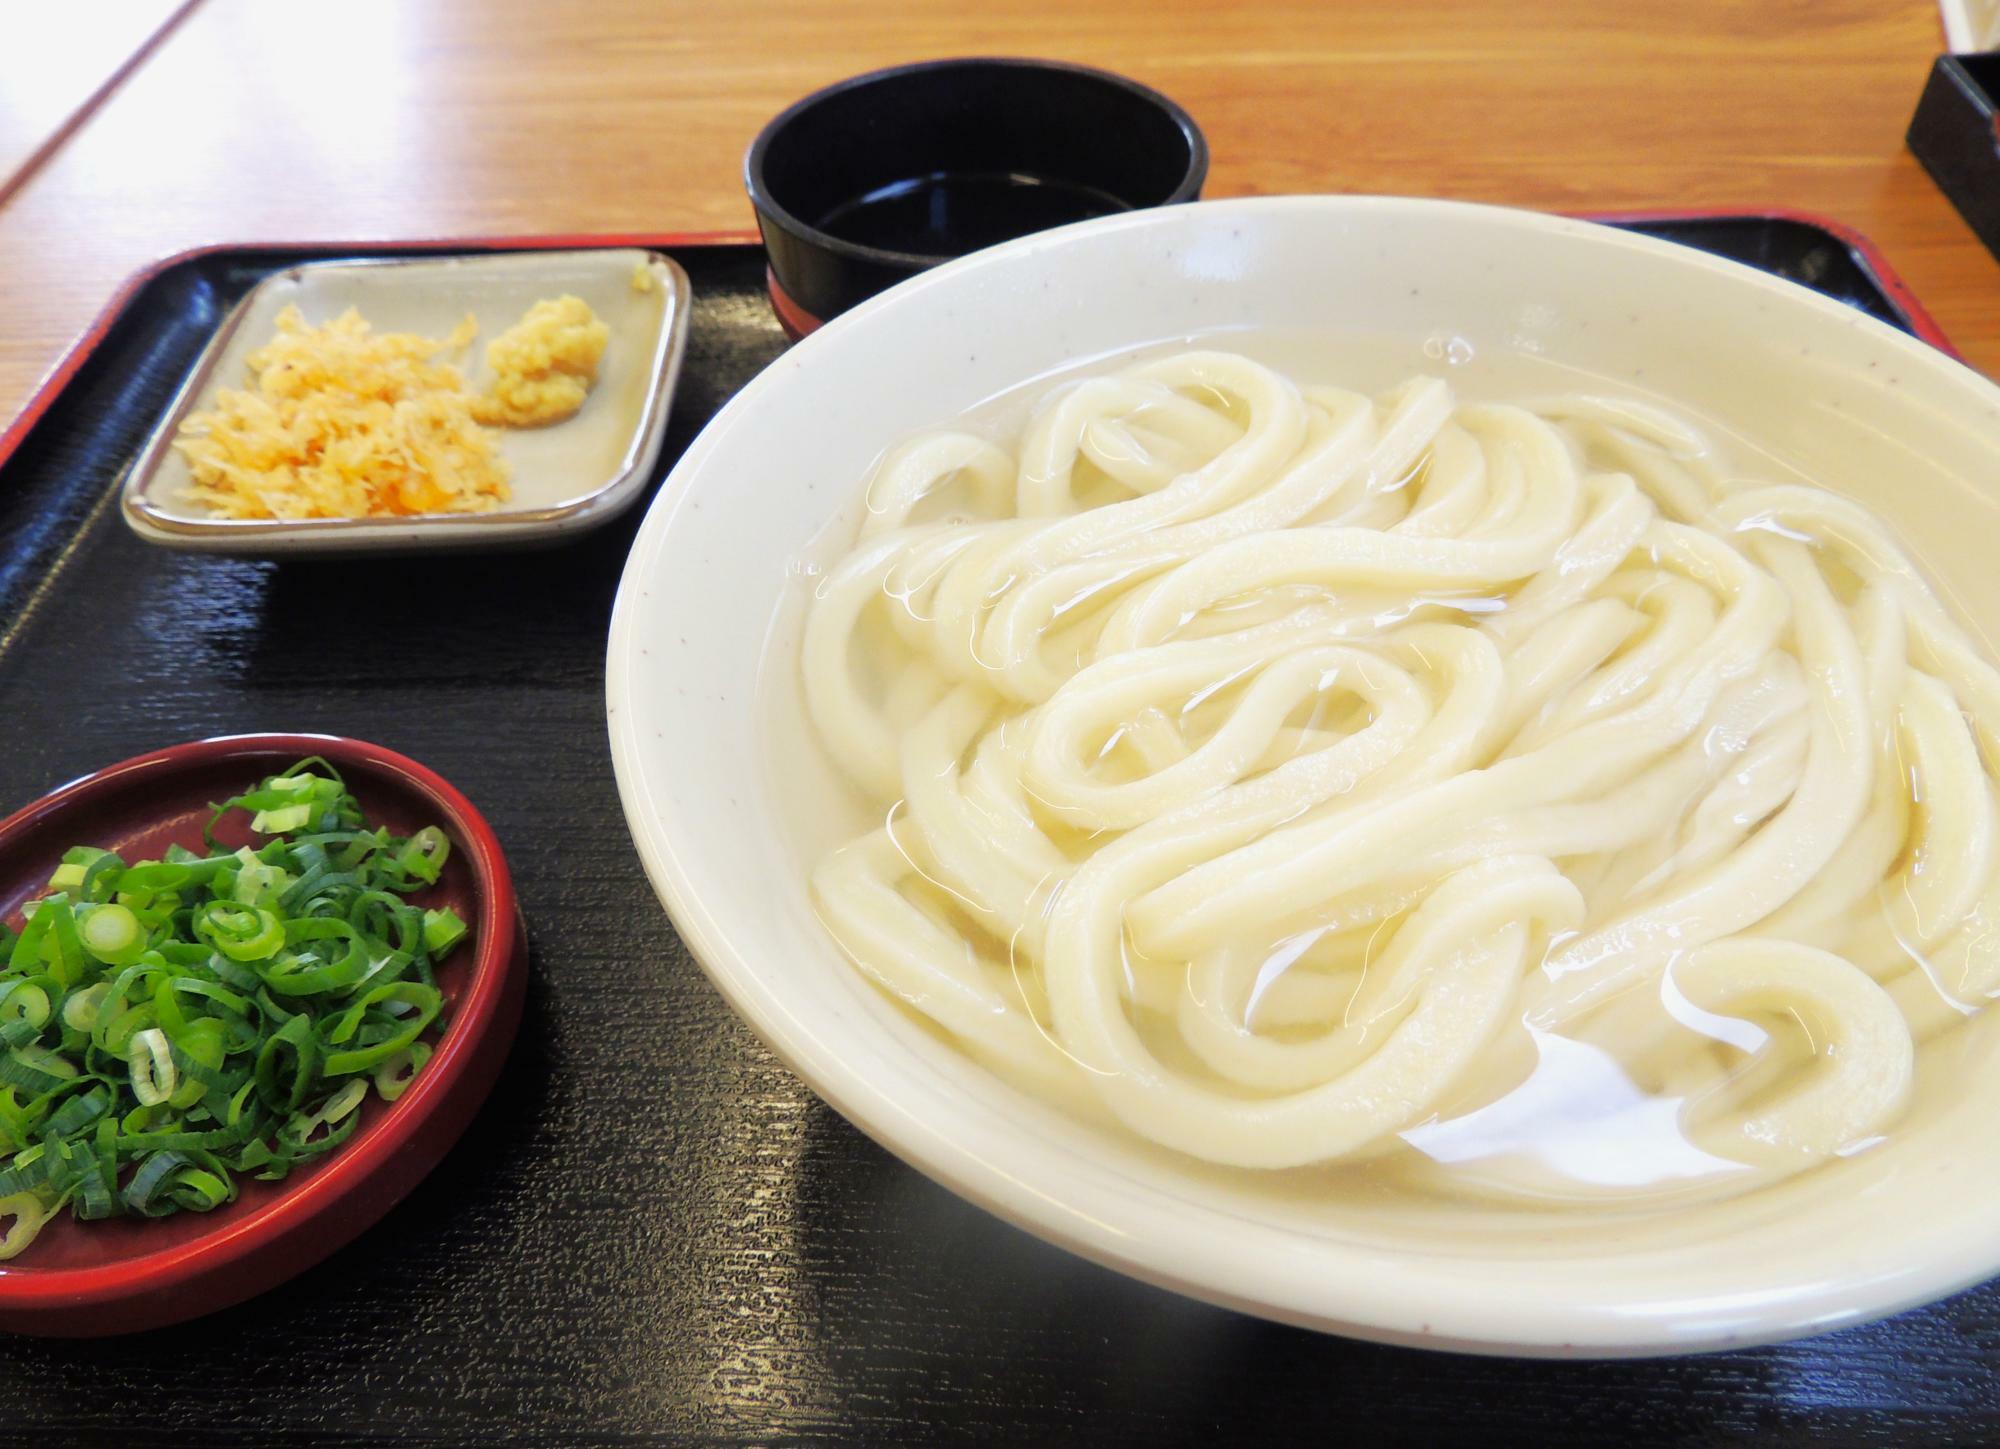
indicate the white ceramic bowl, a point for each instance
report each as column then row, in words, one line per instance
column 1823, row 386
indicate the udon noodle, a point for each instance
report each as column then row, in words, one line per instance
column 1304, row 774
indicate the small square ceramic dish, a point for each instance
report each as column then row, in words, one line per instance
column 567, row 478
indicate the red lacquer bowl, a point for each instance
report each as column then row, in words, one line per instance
column 124, row 1274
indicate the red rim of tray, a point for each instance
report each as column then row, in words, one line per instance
column 353, row 1188
column 79, row 351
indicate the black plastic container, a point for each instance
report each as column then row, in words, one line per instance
column 874, row 179
column 1956, row 134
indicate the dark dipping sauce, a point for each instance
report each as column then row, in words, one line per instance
column 948, row 213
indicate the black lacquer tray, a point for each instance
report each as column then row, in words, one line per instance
column 654, row 1234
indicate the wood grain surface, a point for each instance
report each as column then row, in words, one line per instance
column 56, row 61
column 405, row 118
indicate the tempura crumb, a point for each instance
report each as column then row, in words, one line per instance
column 340, row 421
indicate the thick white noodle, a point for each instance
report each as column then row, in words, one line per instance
column 1280, row 765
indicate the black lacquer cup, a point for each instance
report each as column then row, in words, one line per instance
column 874, row 179
column 1956, row 134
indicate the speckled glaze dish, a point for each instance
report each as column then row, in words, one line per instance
column 566, row 479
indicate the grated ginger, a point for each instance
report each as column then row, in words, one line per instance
column 543, row 365
column 345, row 422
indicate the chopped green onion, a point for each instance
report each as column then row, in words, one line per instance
column 240, row 932
column 23, row 1000
column 394, row 1076
column 80, row 1008
column 41, row 1059
column 277, row 822
column 35, row 1070
column 79, row 1112
column 293, row 1051
column 443, row 929
column 100, row 872
column 423, row 855
column 337, row 1115
column 29, row 1214
column 258, row 882
column 402, row 1011
column 111, row 934
column 151, row 1059
column 341, row 1103
column 168, row 1024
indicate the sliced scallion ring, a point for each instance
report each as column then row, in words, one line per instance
column 111, row 933
column 394, row 1076
column 26, row 1214
column 80, row 1008
column 24, row 1000
column 150, row 1058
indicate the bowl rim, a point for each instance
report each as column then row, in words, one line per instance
column 765, row 204
column 201, row 1268
column 1396, row 1303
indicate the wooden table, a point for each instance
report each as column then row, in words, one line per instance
column 388, row 118
column 654, row 1234
column 58, row 61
